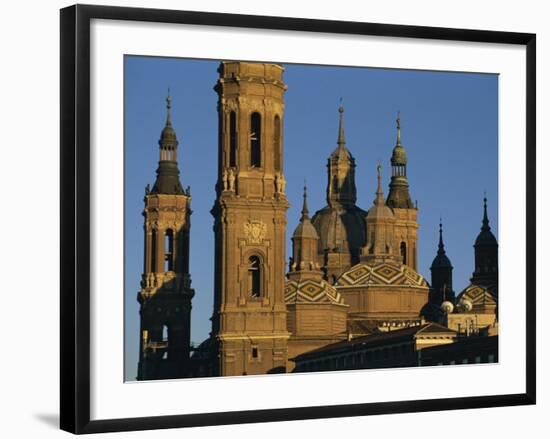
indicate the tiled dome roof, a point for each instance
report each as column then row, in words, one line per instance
column 382, row 273
column 311, row 291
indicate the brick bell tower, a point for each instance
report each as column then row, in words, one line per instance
column 399, row 199
column 166, row 292
column 249, row 321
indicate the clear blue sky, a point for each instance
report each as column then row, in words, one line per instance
column 449, row 127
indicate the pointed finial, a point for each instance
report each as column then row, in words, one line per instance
column 398, row 121
column 485, row 221
column 379, row 193
column 168, row 108
column 305, row 211
column 440, row 246
column 341, row 136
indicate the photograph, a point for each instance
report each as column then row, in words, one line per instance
column 284, row 218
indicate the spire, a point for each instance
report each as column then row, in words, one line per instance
column 168, row 109
column 485, row 222
column 341, row 135
column 305, row 211
column 441, row 246
column 442, row 273
column 399, row 187
column 168, row 140
column 168, row 181
column 341, row 190
column 379, row 200
column 398, row 121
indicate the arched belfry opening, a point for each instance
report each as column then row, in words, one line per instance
column 255, row 140
column 254, row 276
column 232, row 140
column 403, row 249
column 169, row 250
column 277, row 143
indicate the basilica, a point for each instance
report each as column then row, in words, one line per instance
column 348, row 297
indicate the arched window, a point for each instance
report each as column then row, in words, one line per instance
column 165, row 332
column 404, row 253
column 255, row 140
column 254, row 277
column 169, row 250
column 232, row 140
column 277, row 143
column 154, row 251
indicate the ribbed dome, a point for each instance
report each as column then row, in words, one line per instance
column 168, row 137
column 305, row 230
column 399, row 156
column 340, row 227
column 379, row 212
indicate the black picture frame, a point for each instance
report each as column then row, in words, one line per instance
column 75, row 217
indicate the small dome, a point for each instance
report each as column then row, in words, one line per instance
column 305, row 230
column 379, row 212
column 486, row 237
column 447, row 307
column 399, row 156
column 381, row 273
column 168, row 136
column 479, row 295
column 340, row 227
column 441, row 261
column 311, row 291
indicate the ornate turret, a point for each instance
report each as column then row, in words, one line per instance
column 380, row 223
column 399, row 186
column 340, row 224
column 406, row 225
column 168, row 181
column 442, row 274
column 486, row 253
column 341, row 188
column 305, row 242
column 166, row 293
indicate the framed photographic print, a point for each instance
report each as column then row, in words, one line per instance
column 268, row 218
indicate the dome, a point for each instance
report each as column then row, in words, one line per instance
column 399, row 156
column 441, row 260
column 305, row 230
column 379, row 212
column 340, row 227
column 381, row 274
column 168, row 136
column 311, row 291
column 486, row 237
column 478, row 294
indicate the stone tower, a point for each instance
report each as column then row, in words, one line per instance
column 340, row 224
column 399, row 199
column 166, row 292
column 486, row 253
column 317, row 314
column 381, row 245
column 249, row 321
column 442, row 274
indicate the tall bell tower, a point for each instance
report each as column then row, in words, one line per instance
column 399, row 199
column 249, row 321
column 166, row 293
